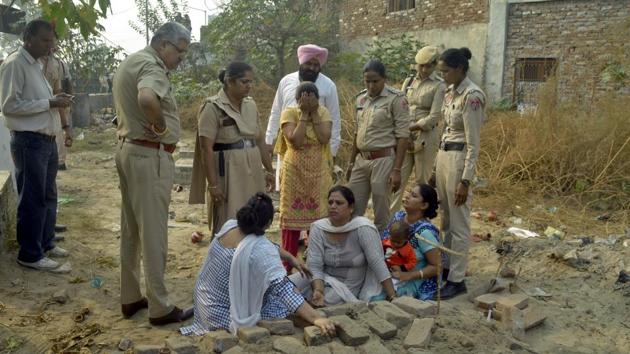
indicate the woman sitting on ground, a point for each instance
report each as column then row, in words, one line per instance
column 242, row 280
column 345, row 256
column 420, row 205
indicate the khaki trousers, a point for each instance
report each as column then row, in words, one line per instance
column 61, row 146
column 421, row 163
column 146, row 179
column 455, row 219
column 371, row 177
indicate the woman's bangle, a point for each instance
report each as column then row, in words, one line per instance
column 396, row 169
column 421, row 274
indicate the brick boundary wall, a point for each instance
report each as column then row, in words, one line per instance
column 574, row 33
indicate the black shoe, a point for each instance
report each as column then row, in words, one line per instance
column 451, row 290
column 60, row 228
column 62, row 167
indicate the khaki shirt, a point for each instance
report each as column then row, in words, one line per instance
column 425, row 101
column 53, row 72
column 25, row 95
column 382, row 119
column 464, row 114
column 222, row 123
column 144, row 69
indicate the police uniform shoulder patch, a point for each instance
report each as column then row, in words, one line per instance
column 475, row 100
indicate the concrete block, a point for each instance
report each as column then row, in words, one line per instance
column 419, row 334
column 378, row 325
column 415, row 306
column 147, row 349
column 81, row 110
column 314, row 336
column 350, row 332
column 217, row 342
column 280, row 327
column 185, row 153
column 372, row 347
column 288, row 345
column 349, row 308
column 487, row 301
column 183, row 171
column 533, row 317
column 252, row 334
column 182, row 345
column 391, row 313
column 519, row 301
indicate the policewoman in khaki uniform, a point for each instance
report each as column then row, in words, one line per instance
column 463, row 111
column 148, row 129
column 425, row 93
column 230, row 149
column 381, row 137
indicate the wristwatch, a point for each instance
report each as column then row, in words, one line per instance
column 466, row 183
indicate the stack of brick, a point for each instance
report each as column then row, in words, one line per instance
column 513, row 311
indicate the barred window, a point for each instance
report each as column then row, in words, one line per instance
column 534, row 69
column 400, row 5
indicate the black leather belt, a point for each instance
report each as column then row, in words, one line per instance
column 452, row 146
column 35, row 134
column 241, row 144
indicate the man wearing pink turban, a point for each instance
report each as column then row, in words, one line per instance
column 311, row 58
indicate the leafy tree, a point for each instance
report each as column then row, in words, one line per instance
column 159, row 13
column 267, row 33
column 88, row 59
column 78, row 14
column 396, row 53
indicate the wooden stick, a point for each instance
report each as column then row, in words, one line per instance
column 437, row 245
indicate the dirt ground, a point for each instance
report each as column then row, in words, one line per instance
column 584, row 313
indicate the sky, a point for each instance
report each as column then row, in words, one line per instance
column 118, row 31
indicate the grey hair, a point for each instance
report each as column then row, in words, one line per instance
column 171, row 32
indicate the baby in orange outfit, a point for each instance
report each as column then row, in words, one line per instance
column 399, row 254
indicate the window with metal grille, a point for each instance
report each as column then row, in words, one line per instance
column 400, row 5
column 534, row 69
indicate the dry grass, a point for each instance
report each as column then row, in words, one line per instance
column 568, row 151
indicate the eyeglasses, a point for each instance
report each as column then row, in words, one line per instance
column 179, row 50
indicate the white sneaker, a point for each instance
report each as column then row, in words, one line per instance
column 58, row 252
column 43, row 264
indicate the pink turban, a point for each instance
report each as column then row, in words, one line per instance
column 309, row 51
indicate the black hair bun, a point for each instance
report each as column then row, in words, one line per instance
column 466, row 52
column 221, row 76
column 247, row 219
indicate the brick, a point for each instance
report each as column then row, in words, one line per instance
column 186, row 153
column 147, row 349
column 279, row 327
column 420, row 333
column 182, row 345
column 288, row 345
column 218, row 342
column 183, row 171
column 378, row 325
column 519, row 301
column 373, row 347
column 252, row 335
column 415, row 306
column 517, row 324
column 533, row 317
column 350, row 332
column 318, row 350
column 391, row 313
column 235, row 350
column 338, row 348
column 349, row 308
column 487, row 301
column 314, row 336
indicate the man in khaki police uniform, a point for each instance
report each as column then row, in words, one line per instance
column 380, row 144
column 148, row 129
column 425, row 93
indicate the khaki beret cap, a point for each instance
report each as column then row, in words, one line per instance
column 427, row 55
